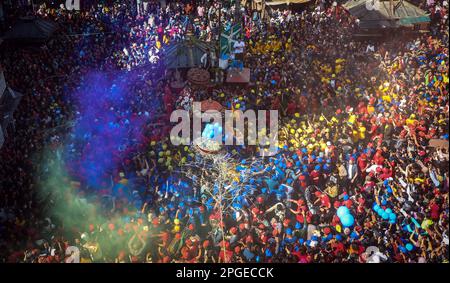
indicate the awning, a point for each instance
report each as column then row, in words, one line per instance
column 404, row 14
column 186, row 54
column 31, row 29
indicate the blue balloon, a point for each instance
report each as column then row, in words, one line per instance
column 409, row 247
column 343, row 210
column 392, row 221
column 380, row 211
column 392, row 216
column 347, row 220
column 376, row 207
column 388, row 210
column 385, row 216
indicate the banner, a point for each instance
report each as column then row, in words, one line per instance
column 228, row 38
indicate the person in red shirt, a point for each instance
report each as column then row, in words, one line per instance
column 323, row 199
column 363, row 164
column 225, row 254
column 291, row 108
column 378, row 158
column 435, row 210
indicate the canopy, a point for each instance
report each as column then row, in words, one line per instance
column 187, row 54
column 31, row 29
column 380, row 16
column 9, row 102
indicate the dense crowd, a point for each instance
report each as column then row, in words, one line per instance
column 356, row 121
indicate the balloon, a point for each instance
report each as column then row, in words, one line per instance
column 392, row 221
column 347, row 220
column 385, row 216
column 376, row 207
column 388, row 210
column 380, row 211
column 392, row 216
column 409, row 247
column 343, row 210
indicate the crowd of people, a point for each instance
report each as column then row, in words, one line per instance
column 363, row 125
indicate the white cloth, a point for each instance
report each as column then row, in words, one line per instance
column 239, row 47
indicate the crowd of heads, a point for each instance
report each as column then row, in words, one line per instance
column 363, row 125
